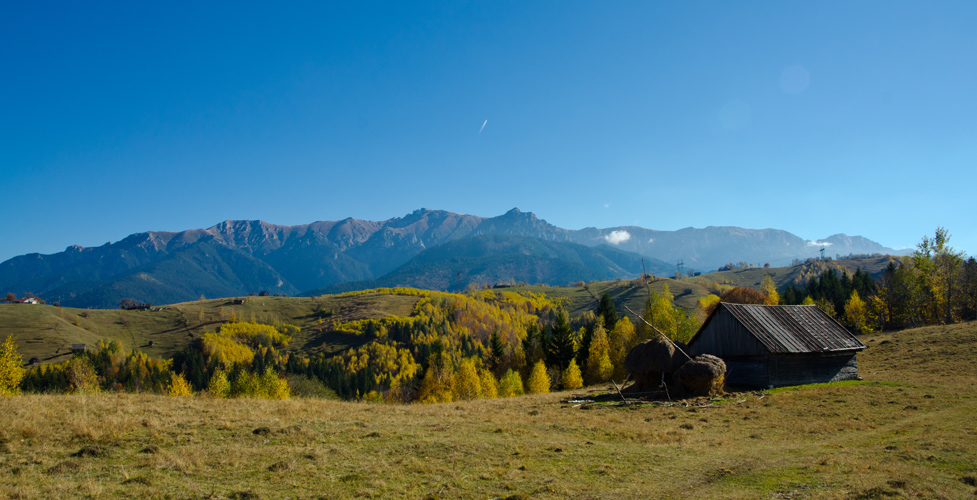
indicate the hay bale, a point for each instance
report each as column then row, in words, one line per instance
column 703, row 375
column 651, row 361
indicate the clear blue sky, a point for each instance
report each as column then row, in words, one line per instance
column 812, row 117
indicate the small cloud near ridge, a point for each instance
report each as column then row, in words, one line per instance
column 617, row 237
column 819, row 243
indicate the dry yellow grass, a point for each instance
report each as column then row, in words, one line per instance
column 908, row 430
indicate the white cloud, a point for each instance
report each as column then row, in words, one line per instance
column 607, row 205
column 617, row 237
column 819, row 244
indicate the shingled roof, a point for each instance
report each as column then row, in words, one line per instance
column 792, row 329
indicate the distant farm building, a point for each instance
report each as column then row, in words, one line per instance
column 773, row 346
column 79, row 347
column 28, row 300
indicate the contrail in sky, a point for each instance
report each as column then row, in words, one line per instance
column 483, row 127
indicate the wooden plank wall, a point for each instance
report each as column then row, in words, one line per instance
column 724, row 336
column 747, row 372
column 791, row 369
column 800, row 369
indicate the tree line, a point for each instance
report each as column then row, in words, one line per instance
column 481, row 344
column 935, row 285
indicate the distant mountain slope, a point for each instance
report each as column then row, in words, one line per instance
column 205, row 268
column 238, row 257
column 495, row 258
column 709, row 248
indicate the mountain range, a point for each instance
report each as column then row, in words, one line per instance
column 428, row 248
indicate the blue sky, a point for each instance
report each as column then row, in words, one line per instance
column 812, row 117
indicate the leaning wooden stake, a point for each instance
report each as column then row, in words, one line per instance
column 619, row 389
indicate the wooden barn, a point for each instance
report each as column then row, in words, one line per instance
column 773, row 346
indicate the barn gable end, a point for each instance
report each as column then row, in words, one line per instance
column 767, row 346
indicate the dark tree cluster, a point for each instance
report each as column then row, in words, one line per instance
column 829, row 286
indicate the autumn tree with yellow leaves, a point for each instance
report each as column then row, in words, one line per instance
column 11, row 371
column 539, row 381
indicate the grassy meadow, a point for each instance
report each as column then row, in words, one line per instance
column 907, row 430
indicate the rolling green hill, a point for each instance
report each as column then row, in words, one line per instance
column 798, row 274
column 47, row 332
column 630, row 293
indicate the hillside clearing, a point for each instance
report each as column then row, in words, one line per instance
column 907, row 430
column 47, row 332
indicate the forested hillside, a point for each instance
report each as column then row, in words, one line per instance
column 445, row 346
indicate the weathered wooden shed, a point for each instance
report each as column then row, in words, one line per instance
column 773, row 346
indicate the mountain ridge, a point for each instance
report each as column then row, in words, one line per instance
column 290, row 259
column 499, row 258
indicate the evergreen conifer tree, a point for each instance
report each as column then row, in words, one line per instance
column 561, row 347
column 606, row 310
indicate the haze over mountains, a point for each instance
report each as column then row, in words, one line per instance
column 428, row 248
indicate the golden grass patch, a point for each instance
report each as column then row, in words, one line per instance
column 908, row 430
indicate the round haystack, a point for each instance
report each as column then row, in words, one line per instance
column 702, row 375
column 649, row 361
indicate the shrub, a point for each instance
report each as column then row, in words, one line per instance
column 306, row 387
column 219, row 386
column 179, row 387
column 81, row 375
column 273, row 386
column 266, row 386
column 245, row 385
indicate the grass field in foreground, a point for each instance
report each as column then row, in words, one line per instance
column 908, row 430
